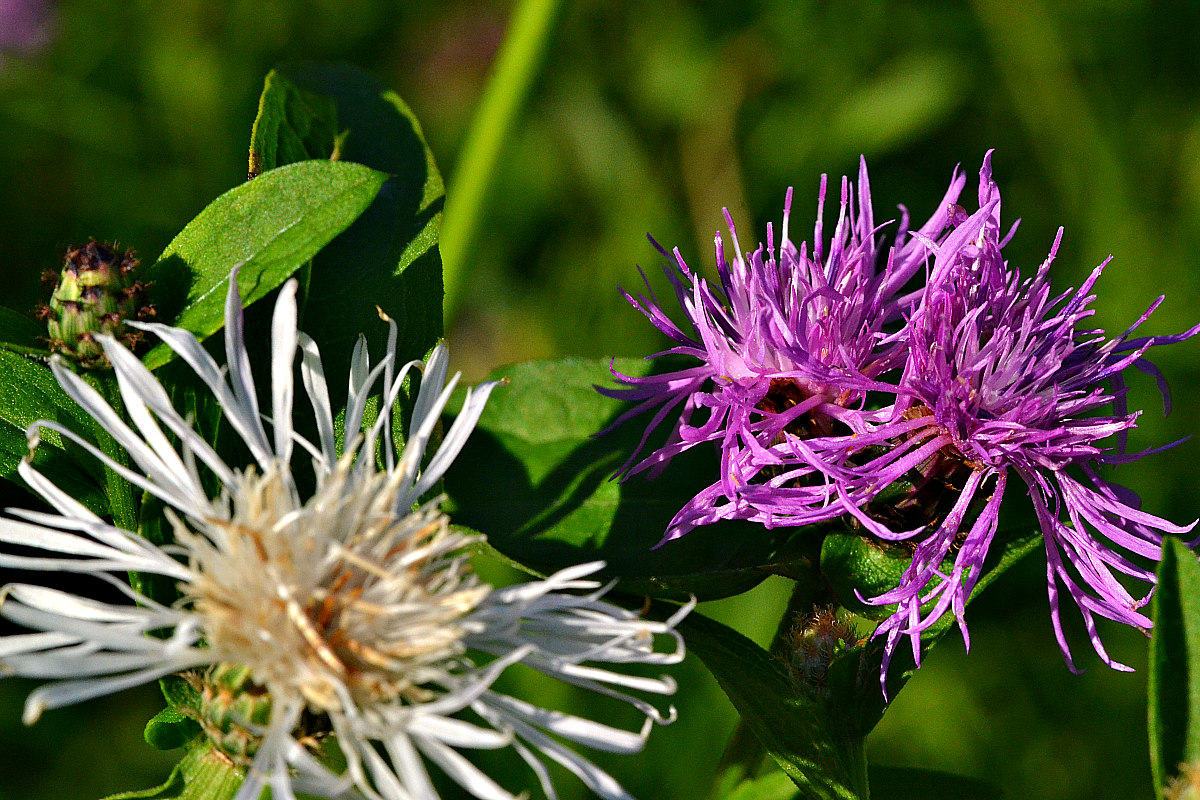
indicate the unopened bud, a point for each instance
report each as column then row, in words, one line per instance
column 232, row 709
column 96, row 293
column 815, row 641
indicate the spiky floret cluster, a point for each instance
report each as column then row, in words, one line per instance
column 348, row 603
column 95, row 294
column 991, row 376
column 793, row 339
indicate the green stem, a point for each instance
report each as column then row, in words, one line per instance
column 503, row 96
column 744, row 755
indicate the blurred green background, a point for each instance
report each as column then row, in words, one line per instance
column 128, row 117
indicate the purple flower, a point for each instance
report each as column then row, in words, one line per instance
column 1001, row 381
column 791, row 340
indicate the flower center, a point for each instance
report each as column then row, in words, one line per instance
column 338, row 596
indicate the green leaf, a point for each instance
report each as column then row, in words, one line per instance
column 292, row 125
column 270, row 226
column 536, row 480
column 203, row 774
column 29, row 392
column 1174, row 681
column 812, row 738
column 21, row 333
column 389, row 258
column 170, row 728
column 904, row 783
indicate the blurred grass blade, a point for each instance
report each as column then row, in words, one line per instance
column 503, row 96
column 1174, row 683
column 772, row 786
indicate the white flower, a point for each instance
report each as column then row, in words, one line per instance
column 344, row 603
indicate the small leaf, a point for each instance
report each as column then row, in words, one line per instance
column 808, row 736
column 170, row 728
column 857, row 564
column 536, row 479
column 1174, row 681
column 203, row 774
column 388, row 259
column 292, row 125
column 851, row 561
column 270, row 226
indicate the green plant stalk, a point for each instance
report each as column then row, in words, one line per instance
column 505, row 92
column 745, row 753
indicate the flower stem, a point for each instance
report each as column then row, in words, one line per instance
column 503, row 96
column 744, row 755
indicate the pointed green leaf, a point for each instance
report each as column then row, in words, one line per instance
column 292, row 125
column 170, row 728
column 270, row 226
column 853, row 563
column 812, row 738
column 1174, row 682
column 857, row 565
column 537, row 480
column 388, row 260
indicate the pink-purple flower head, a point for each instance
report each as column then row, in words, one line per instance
column 1001, row 380
column 792, row 338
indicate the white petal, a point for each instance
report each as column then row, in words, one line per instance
column 56, row 695
column 312, row 373
column 284, row 341
column 463, row 772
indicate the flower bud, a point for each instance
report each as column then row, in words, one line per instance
column 815, row 641
column 231, row 706
column 96, row 293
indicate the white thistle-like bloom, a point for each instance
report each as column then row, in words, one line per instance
column 346, row 605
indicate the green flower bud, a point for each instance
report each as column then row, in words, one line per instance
column 95, row 293
column 230, row 701
column 231, row 708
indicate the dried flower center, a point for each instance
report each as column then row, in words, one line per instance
column 339, row 595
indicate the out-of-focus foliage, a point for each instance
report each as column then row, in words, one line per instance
column 650, row 117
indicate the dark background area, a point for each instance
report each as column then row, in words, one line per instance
column 122, row 120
